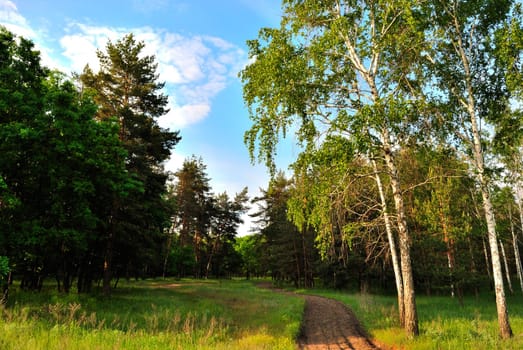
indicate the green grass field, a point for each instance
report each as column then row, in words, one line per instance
column 444, row 323
column 210, row 314
column 159, row 314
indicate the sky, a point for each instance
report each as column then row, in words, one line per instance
column 199, row 45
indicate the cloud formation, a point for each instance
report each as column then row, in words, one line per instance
column 195, row 68
column 12, row 20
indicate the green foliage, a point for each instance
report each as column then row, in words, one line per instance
column 288, row 252
column 4, row 268
column 127, row 89
column 60, row 166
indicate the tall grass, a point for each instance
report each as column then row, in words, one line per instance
column 160, row 314
column 443, row 322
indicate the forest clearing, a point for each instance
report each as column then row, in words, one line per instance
column 238, row 314
column 397, row 221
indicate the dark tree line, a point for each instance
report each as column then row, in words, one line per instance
column 84, row 196
column 83, row 189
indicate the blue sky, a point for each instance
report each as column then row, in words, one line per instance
column 200, row 45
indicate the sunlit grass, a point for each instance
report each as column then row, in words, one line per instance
column 159, row 314
column 443, row 322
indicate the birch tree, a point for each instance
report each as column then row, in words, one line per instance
column 340, row 68
column 471, row 85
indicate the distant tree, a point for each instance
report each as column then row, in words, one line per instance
column 250, row 248
column 287, row 250
column 126, row 87
column 194, row 208
column 225, row 219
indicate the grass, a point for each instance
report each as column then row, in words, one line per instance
column 443, row 322
column 157, row 314
column 229, row 315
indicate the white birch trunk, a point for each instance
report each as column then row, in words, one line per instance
column 467, row 99
column 411, row 315
column 516, row 247
column 487, row 261
column 507, row 272
column 501, row 305
column 392, row 245
column 517, row 257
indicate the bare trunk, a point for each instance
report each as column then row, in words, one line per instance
column 107, row 267
column 168, row 251
column 507, row 272
column 450, row 248
column 411, row 315
column 487, row 261
column 467, row 100
column 392, row 246
column 504, row 325
column 209, row 261
column 473, row 268
column 517, row 257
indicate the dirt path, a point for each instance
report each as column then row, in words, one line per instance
column 330, row 325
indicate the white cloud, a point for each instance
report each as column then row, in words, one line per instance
column 182, row 116
column 195, row 68
column 19, row 25
column 13, row 21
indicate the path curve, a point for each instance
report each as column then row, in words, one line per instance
column 329, row 324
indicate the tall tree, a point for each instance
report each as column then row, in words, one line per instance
column 224, row 227
column 127, row 87
column 472, row 87
column 59, row 164
column 339, row 67
column 194, row 199
column 286, row 248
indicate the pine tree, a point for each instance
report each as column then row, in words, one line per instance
column 126, row 87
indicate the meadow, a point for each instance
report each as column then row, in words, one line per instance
column 233, row 314
column 153, row 314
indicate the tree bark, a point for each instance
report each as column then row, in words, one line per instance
column 503, row 321
column 392, row 246
column 409, row 299
column 517, row 256
column 504, row 325
column 507, row 271
column 469, row 102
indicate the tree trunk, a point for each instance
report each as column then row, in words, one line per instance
column 107, row 275
column 450, row 248
column 168, row 251
column 392, row 246
column 473, row 268
column 517, row 257
column 487, row 261
column 504, row 325
column 507, row 272
column 411, row 315
column 469, row 102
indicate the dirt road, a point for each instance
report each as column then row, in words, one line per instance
column 330, row 325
